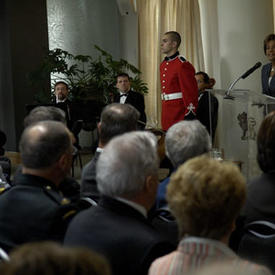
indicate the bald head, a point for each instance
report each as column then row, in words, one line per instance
column 43, row 143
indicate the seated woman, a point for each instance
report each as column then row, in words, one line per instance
column 205, row 196
column 207, row 111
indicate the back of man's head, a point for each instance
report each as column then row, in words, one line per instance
column 125, row 164
column 117, row 119
column 42, row 113
column 43, row 143
column 186, row 139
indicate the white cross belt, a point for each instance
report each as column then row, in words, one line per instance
column 172, row 96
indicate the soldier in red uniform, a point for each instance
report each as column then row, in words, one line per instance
column 178, row 84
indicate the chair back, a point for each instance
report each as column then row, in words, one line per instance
column 258, row 243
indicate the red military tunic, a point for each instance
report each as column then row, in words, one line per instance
column 179, row 90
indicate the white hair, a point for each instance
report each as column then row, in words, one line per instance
column 125, row 163
column 186, row 139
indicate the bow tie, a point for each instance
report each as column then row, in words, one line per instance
column 123, row 95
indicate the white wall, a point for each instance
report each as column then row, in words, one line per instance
column 242, row 26
column 129, row 38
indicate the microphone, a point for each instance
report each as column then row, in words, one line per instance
column 245, row 75
column 251, row 70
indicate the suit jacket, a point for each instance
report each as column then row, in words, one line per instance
column 32, row 210
column 73, row 121
column 194, row 253
column 121, row 234
column 137, row 100
column 259, row 205
column 88, row 179
column 178, row 76
column 203, row 114
column 268, row 89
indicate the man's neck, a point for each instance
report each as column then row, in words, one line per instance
column 43, row 173
column 139, row 207
column 172, row 53
column 124, row 92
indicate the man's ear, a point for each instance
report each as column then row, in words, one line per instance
column 99, row 127
column 63, row 162
column 151, row 184
column 175, row 44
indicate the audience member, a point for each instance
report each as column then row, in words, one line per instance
column 205, row 196
column 49, row 258
column 42, row 113
column 69, row 186
column 261, row 190
column 5, row 164
column 116, row 119
column 179, row 91
column 127, row 177
column 34, row 209
column 184, row 140
column 207, row 111
column 127, row 95
column 260, row 204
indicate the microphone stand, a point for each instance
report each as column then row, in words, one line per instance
column 227, row 94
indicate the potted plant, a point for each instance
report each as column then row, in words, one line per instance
column 88, row 78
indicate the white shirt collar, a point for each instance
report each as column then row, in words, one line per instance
column 134, row 205
column 99, row 150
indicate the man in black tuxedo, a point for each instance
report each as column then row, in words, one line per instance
column 61, row 91
column 126, row 95
column 127, row 178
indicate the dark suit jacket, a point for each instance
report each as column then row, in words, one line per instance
column 260, row 202
column 137, row 100
column 203, row 114
column 88, row 179
column 121, row 234
column 32, row 210
column 259, row 205
column 268, row 90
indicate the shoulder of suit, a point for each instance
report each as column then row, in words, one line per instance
column 66, row 209
column 54, row 195
column 181, row 58
column 267, row 66
column 4, row 188
column 136, row 93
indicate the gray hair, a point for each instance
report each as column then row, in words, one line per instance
column 125, row 163
column 43, row 143
column 186, row 139
column 42, row 113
